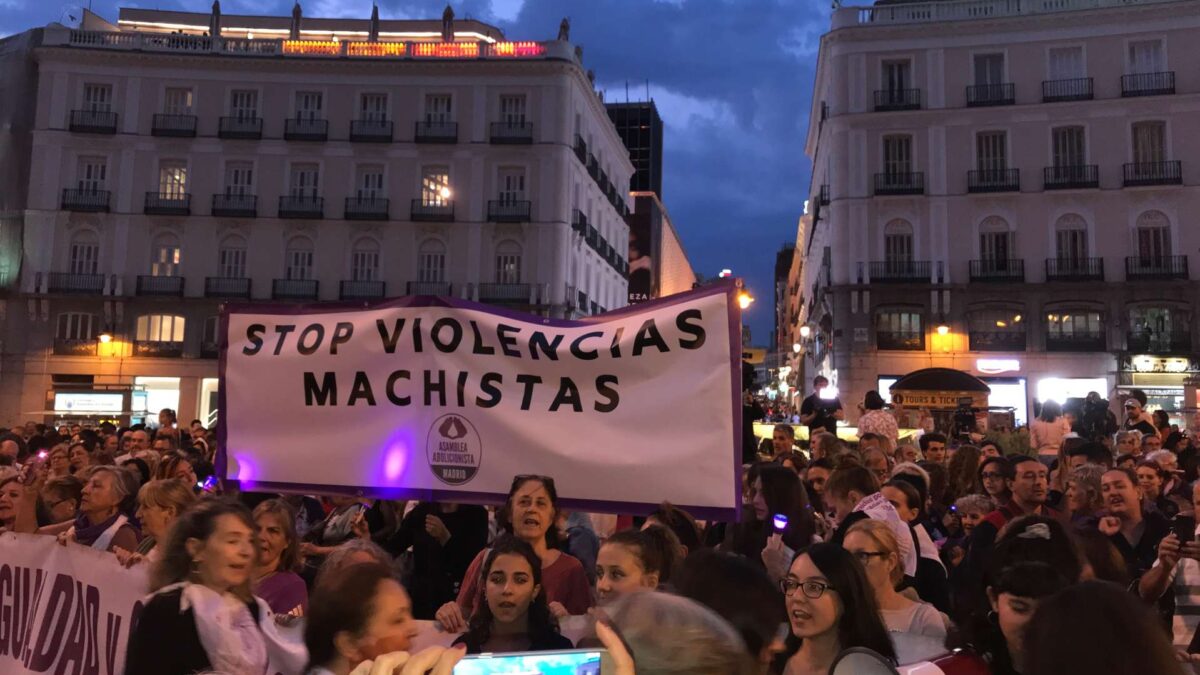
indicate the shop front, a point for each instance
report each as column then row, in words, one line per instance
column 1169, row 383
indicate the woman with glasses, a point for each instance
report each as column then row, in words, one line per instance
column 872, row 542
column 993, row 475
column 830, row 608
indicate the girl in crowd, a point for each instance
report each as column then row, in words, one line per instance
column 877, row 420
column 81, row 459
column 963, row 474
column 202, row 616
column 681, row 523
column 58, row 461
column 1151, row 479
column 533, row 508
column 1084, row 501
column 275, row 579
column 775, row 491
column 635, row 560
column 1047, row 431
column 874, row 544
column 514, row 616
column 176, row 465
column 831, row 608
column 993, row 474
column 970, row 511
column 101, row 523
column 160, row 503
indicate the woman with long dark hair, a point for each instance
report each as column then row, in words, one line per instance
column 1047, row 431
column 514, row 616
column 962, row 474
column 993, row 475
column 774, row 491
column 831, row 608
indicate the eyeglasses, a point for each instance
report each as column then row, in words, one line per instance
column 864, row 557
column 811, row 588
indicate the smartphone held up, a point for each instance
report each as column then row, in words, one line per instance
column 562, row 662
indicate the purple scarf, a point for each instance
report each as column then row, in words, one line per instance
column 86, row 533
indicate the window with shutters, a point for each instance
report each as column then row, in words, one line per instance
column 897, row 155
column 239, row 178
column 431, row 262
column 512, row 185
column 1149, row 142
column 1153, row 238
column 512, row 110
column 508, row 263
column 298, row 259
column 1146, row 56
column 177, row 101
column 160, row 328
column 76, row 326
column 899, row 329
column 97, row 97
column 369, row 182
column 166, row 257
column 91, row 174
column 995, row 243
column 172, row 178
column 309, row 105
column 84, row 253
column 991, row 152
column 1069, row 146
column 435, row 186
column 438, row 108
column 373, row 107
column 231, row 258
column 897, row 76
column 1071, row 241
column 243, row 104
column 989, row 69
column 1066, row 63
column 303, row 181
column 364, row 260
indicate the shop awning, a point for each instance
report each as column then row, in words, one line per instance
column 940, row 379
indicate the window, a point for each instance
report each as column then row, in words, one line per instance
column 177, row 101
column 1071, row 241
column 435, row 186
column 1153, row 237
column 172, row 178
column 437, row 109
column 512, row 110
column 991, row 152
column 308, row 105
column 431, row 262
column 90, row 174
column 76, row 326
column 1068, row 324
column 1149, row 142
column 239, row 179
column 1068, row 146
column 1146, row 56
column 243, row 104
column 512, row 185
column 303, row 181
column 166, row 257
column 995, row 243
column 989, row 69
column 364, row 260
column 85, row 253
column 898, row 243
column 373, row 107
column 1159, row 329
column 896, row 76
column 160, row 328
column 212, row 326
column 996, row 330
column 97, row 97
column 369, row 182
column 508, row 263
column 1066, row 63
column 899, row 329
column 299, row 259
column 897, row 155
column 231, row 258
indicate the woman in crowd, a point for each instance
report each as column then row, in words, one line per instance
column 877, row 420
column 635, row 560
column 108, row 495
column 59, row 461
column 514, row 615
column 81, row 459
column 681, row 523
column 275, row 578
column 533, row 505
column 831, row 608
column 963, row 474
column 350, row 553
column 994, row 472
column 1150, row 480
column 176, row 465
column 1083, row 499
column 202, row 615
column 970, row 511
column 1047, row 431
column 874, row 544
column 444, row 539
column 776, row 491
column 1162, row 424
column 672, row 635
column 160, row 503
column 139, row 468
column 12, row 503
column 61, row 497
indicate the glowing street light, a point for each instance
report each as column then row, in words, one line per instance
column 105, row 337
column 805, row 331
column 796, row 347
column 943, row 329
column 745, row 300
column 444, row 192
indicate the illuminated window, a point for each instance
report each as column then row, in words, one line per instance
column 172, row 178
column 166, row 256
column 899, row 329
column 160, row 328
column 435, row 186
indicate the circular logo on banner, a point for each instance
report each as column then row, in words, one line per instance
column 453, row 449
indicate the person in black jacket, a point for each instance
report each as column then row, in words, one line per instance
column 444, row 538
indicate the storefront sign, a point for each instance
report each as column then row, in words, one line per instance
column 88, row 402
column 996, row 366
column 937, row 399
column 1143, row 363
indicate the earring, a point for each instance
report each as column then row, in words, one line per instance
column 993, row 618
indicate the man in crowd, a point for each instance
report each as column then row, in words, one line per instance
column 1134, row 533
column 1178, row 565
column 12, row 449
column 1151, row 443
column 853, row 493
column 933, row 448
column 868, row 441
column 819, row 444
column 1128, row 443
column 1089, row 453
column 821, row 414
column 877, row 462
column 783, row 439
column 1136, row 420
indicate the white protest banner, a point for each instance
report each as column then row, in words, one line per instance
column 64, row 609
column 438, row 398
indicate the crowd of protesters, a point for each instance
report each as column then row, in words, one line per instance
column 1082, row 552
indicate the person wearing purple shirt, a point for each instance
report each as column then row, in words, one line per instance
column 276, row 581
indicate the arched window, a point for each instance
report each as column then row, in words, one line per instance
column 1153, row 238
column 431, row 262
column 231, row 257
column 898, row 241
column 299, row 258
column 1070, row 242
column 995, row 244
column 165, row 256
column 996, row 330
column 364, row 260
column 160, row 328
column 85, row 253
column 508, row 263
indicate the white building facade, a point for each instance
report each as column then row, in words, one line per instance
column 1008, row 189
column 173, row 170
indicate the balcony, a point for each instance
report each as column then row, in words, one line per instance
column 509, row 211
column 366, row 208
column 1071, row 177
column 900, row 183
column 148, row 285
column 235, row 206
column 93, row 122
column 1076, row 89
column 426, row 212
column 210, row 350
column 71, row 347
column 227, row 287
column 579, row 223
column 178, row 126
column 994, row 180
column 593, row 167
column 900, row 271
column 1156, row 268
column 512, row 133
column 305, row 129
column 371, row 131
column 436, row 132
column 581, row 151
column 992, row 270
column 824, row 198
column 897, row 99
column 438, row 288
column 1074, row 269
column 294, row 289
column 1153, row 173
column 905, row 340
column 1148, row 84
column 504, row 293
column 75, row 284
column 1076, row 342
column 168, row 204
column 361, row 290
column 1158, row 342
column 243, row 128
column 85, row 200
column 158, row 349
column 301, row 206
column 983, row 95
column 996, row 340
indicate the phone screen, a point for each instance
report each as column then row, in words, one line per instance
column 567, row 662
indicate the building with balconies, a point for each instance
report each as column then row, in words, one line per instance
column 185, row 160
column 1007, row 189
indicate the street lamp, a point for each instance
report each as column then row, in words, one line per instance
column 943, row 329
column 796, row 347
column 745, row 300
column 104, row 337
column 805, row 331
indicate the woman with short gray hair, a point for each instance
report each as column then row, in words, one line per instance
column 671, row 635
column 102, row 522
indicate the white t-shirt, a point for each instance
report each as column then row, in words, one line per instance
column 921, row 618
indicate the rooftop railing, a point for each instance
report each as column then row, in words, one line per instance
column 967, row 10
